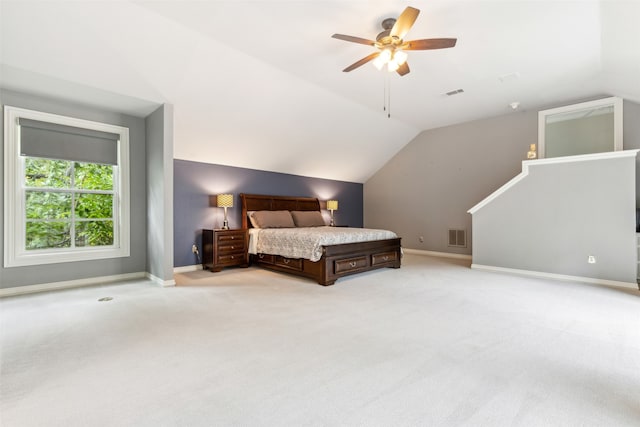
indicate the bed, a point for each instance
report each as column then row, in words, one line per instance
column 336, row 260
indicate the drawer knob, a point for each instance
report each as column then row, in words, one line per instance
column 233, row 257
column 233, row 237
column 233, row 247
column 261, row 256
column 286, row 261
column 386, row 258
column 352, row 264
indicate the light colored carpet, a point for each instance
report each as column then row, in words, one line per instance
column 433, row 343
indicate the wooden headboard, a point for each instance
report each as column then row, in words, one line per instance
column 261, row 202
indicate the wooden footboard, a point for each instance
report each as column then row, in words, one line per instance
column 337, row 260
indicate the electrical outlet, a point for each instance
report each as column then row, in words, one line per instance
column 421, row 239
column 591, row 259
column 194, row 249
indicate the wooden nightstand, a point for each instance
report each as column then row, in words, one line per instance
column 224, row 248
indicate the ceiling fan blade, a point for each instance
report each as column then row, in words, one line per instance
column 353, row 39
column 404, row 22
column 403, row 69
column 426, row 44
column 361, row 62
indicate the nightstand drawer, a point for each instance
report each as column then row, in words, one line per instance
column 229, row 236
column 231, row 247
column 230, row 259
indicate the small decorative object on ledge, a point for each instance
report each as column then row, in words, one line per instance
column 225, row 201
column 332, row 205
column 532, row 153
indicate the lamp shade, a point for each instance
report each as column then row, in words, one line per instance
column 224, row 200
column 332, row 205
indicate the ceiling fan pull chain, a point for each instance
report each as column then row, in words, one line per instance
column 389, row 98
column 388, row 94
column 384, row 99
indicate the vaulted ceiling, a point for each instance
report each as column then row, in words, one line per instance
column 258, row 84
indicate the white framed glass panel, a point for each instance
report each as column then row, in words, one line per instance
column 584, row 128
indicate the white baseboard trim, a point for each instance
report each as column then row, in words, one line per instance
column 437, row 254
column 556, row 276
column 67, row 284
column 187, row 268
column 159, row 281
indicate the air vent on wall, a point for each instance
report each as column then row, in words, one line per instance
column 454, row 92
column 457, row 238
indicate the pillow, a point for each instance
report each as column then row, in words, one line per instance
column 308, row 218
column 253, row 222
column 272, row 219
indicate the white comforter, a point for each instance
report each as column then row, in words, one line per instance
column 307, row 242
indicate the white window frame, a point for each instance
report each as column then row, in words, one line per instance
column 15, row 253
column 614, row 101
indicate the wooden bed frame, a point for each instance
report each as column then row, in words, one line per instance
column 337, row 260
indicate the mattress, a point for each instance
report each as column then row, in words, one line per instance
column 307, row 242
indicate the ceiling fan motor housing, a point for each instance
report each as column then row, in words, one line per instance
column 388, row 23
column 384, row 39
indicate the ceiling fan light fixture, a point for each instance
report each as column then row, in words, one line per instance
column 400, row 57
column 386, row 55
column 378, row 63
column 393, row 66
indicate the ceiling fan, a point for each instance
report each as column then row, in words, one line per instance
column 391, row 45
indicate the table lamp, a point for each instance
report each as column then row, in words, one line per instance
column 332, row 205
column 225, row 201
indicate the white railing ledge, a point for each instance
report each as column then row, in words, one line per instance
column 554, row 160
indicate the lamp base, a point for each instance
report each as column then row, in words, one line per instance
column 225, row 223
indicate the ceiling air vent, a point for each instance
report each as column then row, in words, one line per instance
column 454, row 92
column 505, row 78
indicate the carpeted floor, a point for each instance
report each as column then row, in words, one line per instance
column 433, row 343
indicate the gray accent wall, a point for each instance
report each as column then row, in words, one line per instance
column 160, row 193
column 136, row 262
column 558, row 215
column 430, row 184
column 194, row 182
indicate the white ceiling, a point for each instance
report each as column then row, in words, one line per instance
column 258, row 84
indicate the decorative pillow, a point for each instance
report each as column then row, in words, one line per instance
column 253, row 222
column 272, row 219
column 308, row 218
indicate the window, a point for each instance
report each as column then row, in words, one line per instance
column 588, row 127
column 66, row 189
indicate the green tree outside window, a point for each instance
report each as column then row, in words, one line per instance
column 68, row 204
